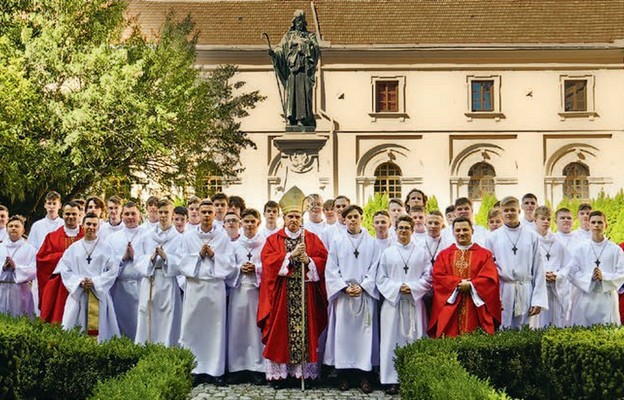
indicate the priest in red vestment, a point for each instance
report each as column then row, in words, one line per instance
column 466, row 293
column 280, row 317
column 52, row 292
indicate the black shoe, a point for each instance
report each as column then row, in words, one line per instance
column 218, row 381
column 365, row 386
column 279, row 384
column 257, row 378
column 392, row 390
column 343, row 385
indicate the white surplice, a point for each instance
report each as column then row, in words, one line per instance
column 204, row 312
column 556, row 258
column 166, row 301
column 403, row 318
column 266, row 232
column 596, row 302
column 244, row 337
column 331, row 232
column 89, row 259
column 316, row 227
column 566, row 239
column 15, row 294
column 352, row 329
column 107, row 229
column 521, row 273
column 125, row 291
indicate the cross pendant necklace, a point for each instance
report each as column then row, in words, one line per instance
column 89, row 258
column 514, row 248
column 405, row 262
column 549, row 247
column 597, row 262
column 433, row 255
column 356, row 252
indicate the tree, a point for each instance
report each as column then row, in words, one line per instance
column 86, row 99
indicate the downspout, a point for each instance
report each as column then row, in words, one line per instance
column 320, row 105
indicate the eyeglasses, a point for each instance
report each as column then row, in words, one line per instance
column 230, row 221
column 404, row 228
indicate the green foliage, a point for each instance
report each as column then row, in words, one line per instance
column 162, row 374
column 508, row 359
column 487, row 202
column 39, row 360
column 613, row 207
column 432, row 204
column 585, row 363
column 376, row 203
column 439, row 376
column 81, row 103
column 571, row 363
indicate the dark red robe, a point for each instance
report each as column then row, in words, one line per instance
column 52, row 292
column 272, row 308
column 463, row 316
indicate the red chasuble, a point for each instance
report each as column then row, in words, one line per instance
column 280, row 300
column 451, row 266
column 52, row 292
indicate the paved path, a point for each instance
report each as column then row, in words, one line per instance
column 251, row 392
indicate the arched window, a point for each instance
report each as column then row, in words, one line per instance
column 388, row 179
column 481, row 180
column 576, row 184
column 207, row 186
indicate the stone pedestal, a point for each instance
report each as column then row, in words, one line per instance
column 300, row 157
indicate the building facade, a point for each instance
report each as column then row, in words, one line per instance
column 457, row 98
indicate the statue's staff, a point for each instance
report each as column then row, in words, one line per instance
column 279, row 87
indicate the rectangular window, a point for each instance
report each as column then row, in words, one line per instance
column 575, row 95
column 387, row 96
column 482, row 95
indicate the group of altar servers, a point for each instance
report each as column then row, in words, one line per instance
column 191, row 276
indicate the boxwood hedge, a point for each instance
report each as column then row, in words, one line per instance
column 39, row 360
column 573, row 363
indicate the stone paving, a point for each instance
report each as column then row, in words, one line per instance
column 251, row 392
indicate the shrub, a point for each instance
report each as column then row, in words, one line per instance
column 38, row 360
column 509, row 360
column 374, row 204
column 585, row 363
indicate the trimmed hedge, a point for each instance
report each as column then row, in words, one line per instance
column 39, row 360
column 585, row 363
column 572, row 363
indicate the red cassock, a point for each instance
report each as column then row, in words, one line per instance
column 273, row 313
column 52, row 292
column 463, row 316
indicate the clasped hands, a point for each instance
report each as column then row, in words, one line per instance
column 159, row 252
column 551, row 277
column 86, row 283
column 248, row 268
column 129, row 254
column 353, row 290
column 404, row 289
column 206, row 251
column 464, row 286
column 299, row 254
column 597, row 275
column 8, row 264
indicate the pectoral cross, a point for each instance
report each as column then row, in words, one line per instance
column 597, row 262
column 356, row 253
column 432, row 260
column 89, row 259
column 249, row 256
column 547, row 256
column 405, row 268
column 514, row 249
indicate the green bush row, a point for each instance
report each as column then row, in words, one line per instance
column 39, row 360
column 573, row 363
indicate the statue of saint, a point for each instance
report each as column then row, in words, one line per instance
column 294, row 60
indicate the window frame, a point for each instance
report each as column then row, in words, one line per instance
column 400, row 114
column 386, row 178
column 495, row 113
column 471, row 178
column 585, row 192
column 590, row 111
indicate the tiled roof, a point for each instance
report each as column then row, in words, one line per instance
column 398, row 22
